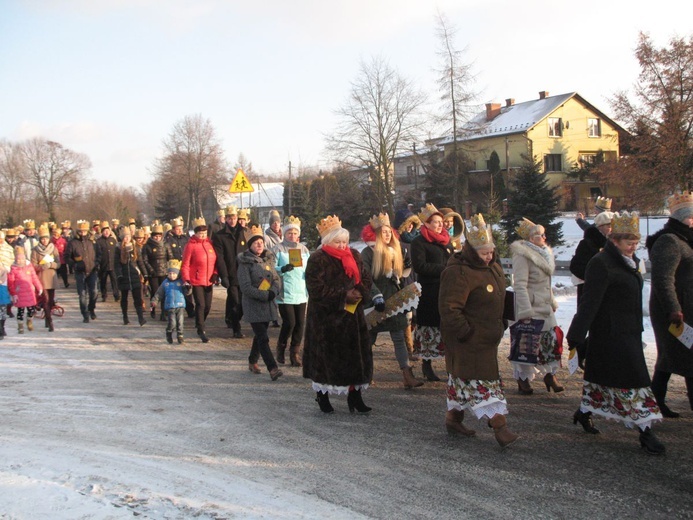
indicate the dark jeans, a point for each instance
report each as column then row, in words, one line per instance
column 62, row 272
column 136, row 298
column 293, row 320
column 103, row 279
column 176, row 318
column 234, row 310
column 202, row 294
column 261, row 346
column 86, row 289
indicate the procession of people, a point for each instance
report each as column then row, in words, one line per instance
column 434, row 283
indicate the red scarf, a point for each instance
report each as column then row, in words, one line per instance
column 442, row 238
column 348, row 262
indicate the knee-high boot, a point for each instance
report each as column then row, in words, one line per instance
column 660, row 380
column 140, row 315
column 281, row 357
column 49, row 323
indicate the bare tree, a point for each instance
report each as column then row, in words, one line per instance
column 12, row 187
column 194, row 161
column 53, row 171
column 380, row 114
column 455, row 84
column 659, row 115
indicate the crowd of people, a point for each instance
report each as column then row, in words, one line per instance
column 337, row 300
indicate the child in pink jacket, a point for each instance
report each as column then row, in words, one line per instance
column 23, row 285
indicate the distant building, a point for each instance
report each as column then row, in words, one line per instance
column 265, row 197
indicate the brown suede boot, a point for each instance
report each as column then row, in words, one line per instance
column 409, row 380
column 524, row 388
column 500, row 429
column 453, row 423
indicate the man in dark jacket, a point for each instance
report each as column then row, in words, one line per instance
column 82, row 256
column 218, row 224
column 227, row 245
column 106, row 246
column 176, row 241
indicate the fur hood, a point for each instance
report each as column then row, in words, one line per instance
column 522, row 248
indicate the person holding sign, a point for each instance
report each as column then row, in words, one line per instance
column 260, row 284
column 291, row 258
column 671, row 254
column 616, row 381
column 337, row 356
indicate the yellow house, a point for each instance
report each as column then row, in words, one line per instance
column 561, row 131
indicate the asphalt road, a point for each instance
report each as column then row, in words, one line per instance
column 129, row 407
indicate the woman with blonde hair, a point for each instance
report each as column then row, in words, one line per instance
column 386, row 264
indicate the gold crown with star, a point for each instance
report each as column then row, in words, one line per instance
column 380, row 220
column 428, row 211
column 603, row 203
column 626, row 223
column 524, row 228
column 680, row 200
column 327, row 224
column 479, row 233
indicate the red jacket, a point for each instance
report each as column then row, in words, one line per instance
column 199, row 262
column 23, row 283
column 60, row 245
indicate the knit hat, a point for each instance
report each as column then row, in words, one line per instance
column 274, row 216
column 173, row 266
column 681, row 205
column 479, row 233
column 603, row 218
column 252, row 233
column 291, row 222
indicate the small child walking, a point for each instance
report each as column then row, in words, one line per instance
column 23, row 285
column 172, row 293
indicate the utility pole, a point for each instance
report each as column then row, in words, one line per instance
column 289, row 197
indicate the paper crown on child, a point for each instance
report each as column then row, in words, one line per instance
column 525, row 228
column 19, row 250
column 174, row 265
column 479, row 233
column 626, row 223
column 327, row 224
column 603, row 204
column 380, row 220
column 428, row 211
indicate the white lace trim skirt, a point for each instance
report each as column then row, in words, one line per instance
column 530, row 372
column 485, row 398
column 631, row 406
column 336, row 390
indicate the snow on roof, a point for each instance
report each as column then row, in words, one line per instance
column 512, row 119
column 266, row 195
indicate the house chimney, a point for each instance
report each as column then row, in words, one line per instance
column 509, row 102
column 492, row 110
column 543, row 94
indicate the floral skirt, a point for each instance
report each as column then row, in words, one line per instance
column 334, row 389
column 549, row 359
column 631, row 406
column 428, row 343
column 483, row 397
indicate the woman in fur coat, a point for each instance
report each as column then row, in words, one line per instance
column 337, row 354
column 533, row 265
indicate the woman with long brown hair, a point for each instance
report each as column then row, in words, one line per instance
column 129, row 269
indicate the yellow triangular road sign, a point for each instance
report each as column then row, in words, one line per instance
column 240, row 183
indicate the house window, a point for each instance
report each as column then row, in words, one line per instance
column 594, row 127
column 587, row 159
column 552, row 162
column 555, row 127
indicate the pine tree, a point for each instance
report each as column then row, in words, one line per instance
column 531, row 197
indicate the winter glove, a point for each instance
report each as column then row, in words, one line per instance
column 225, row 282
column 407, row 262
column 271, row 295
column 676, row 318
column 379, row 303
column 286, row 268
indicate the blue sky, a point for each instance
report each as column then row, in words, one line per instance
column 109, row 78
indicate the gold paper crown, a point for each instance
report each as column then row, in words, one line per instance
column 115, row 222
column 253, row 231
column 131, row 221
column 680, row 200
column 292, row 221
column 82, row 225
column 231, row 210
column 167, row 227
column 244, row 213
column 524, row 228
column 19, row 250
column 43, row 231
column 29, row 224
column 178, row 221
column 380, row 220
column 478, row 233
column 158, row 229
column 221, row 213
column 66, row 224
column 174, row 264
column 11, row 232
column 104, row 224
column 603, row 203
column 428, row 211
column 95, row 222
column 197, row 222
column 626, row 223
column 328, row 224
column 147, row 230
column 139, row 233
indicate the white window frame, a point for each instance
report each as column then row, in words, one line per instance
column 594, row 123
column 555, row 126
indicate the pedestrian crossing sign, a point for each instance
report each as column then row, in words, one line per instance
column 240, row 183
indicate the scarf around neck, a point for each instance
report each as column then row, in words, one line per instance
column 348, row 262
column 442, row 238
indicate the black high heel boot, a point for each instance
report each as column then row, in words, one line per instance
column 323, row 401
column 355, row 402
column 660, row 381
column 650, row 443
column 585, row 419
column 427, row 370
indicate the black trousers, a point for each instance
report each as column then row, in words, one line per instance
column 202, row 294
column 234, row 309
column 293, row 320
column 103, row 283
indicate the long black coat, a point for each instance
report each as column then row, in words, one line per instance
column 671, row 254
column 428, row 261
column 128, row 272
column 106, row 248
column 155, row 256
column 611, row 310
column 227, row 245
column 337, row 349
column 589, row 246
